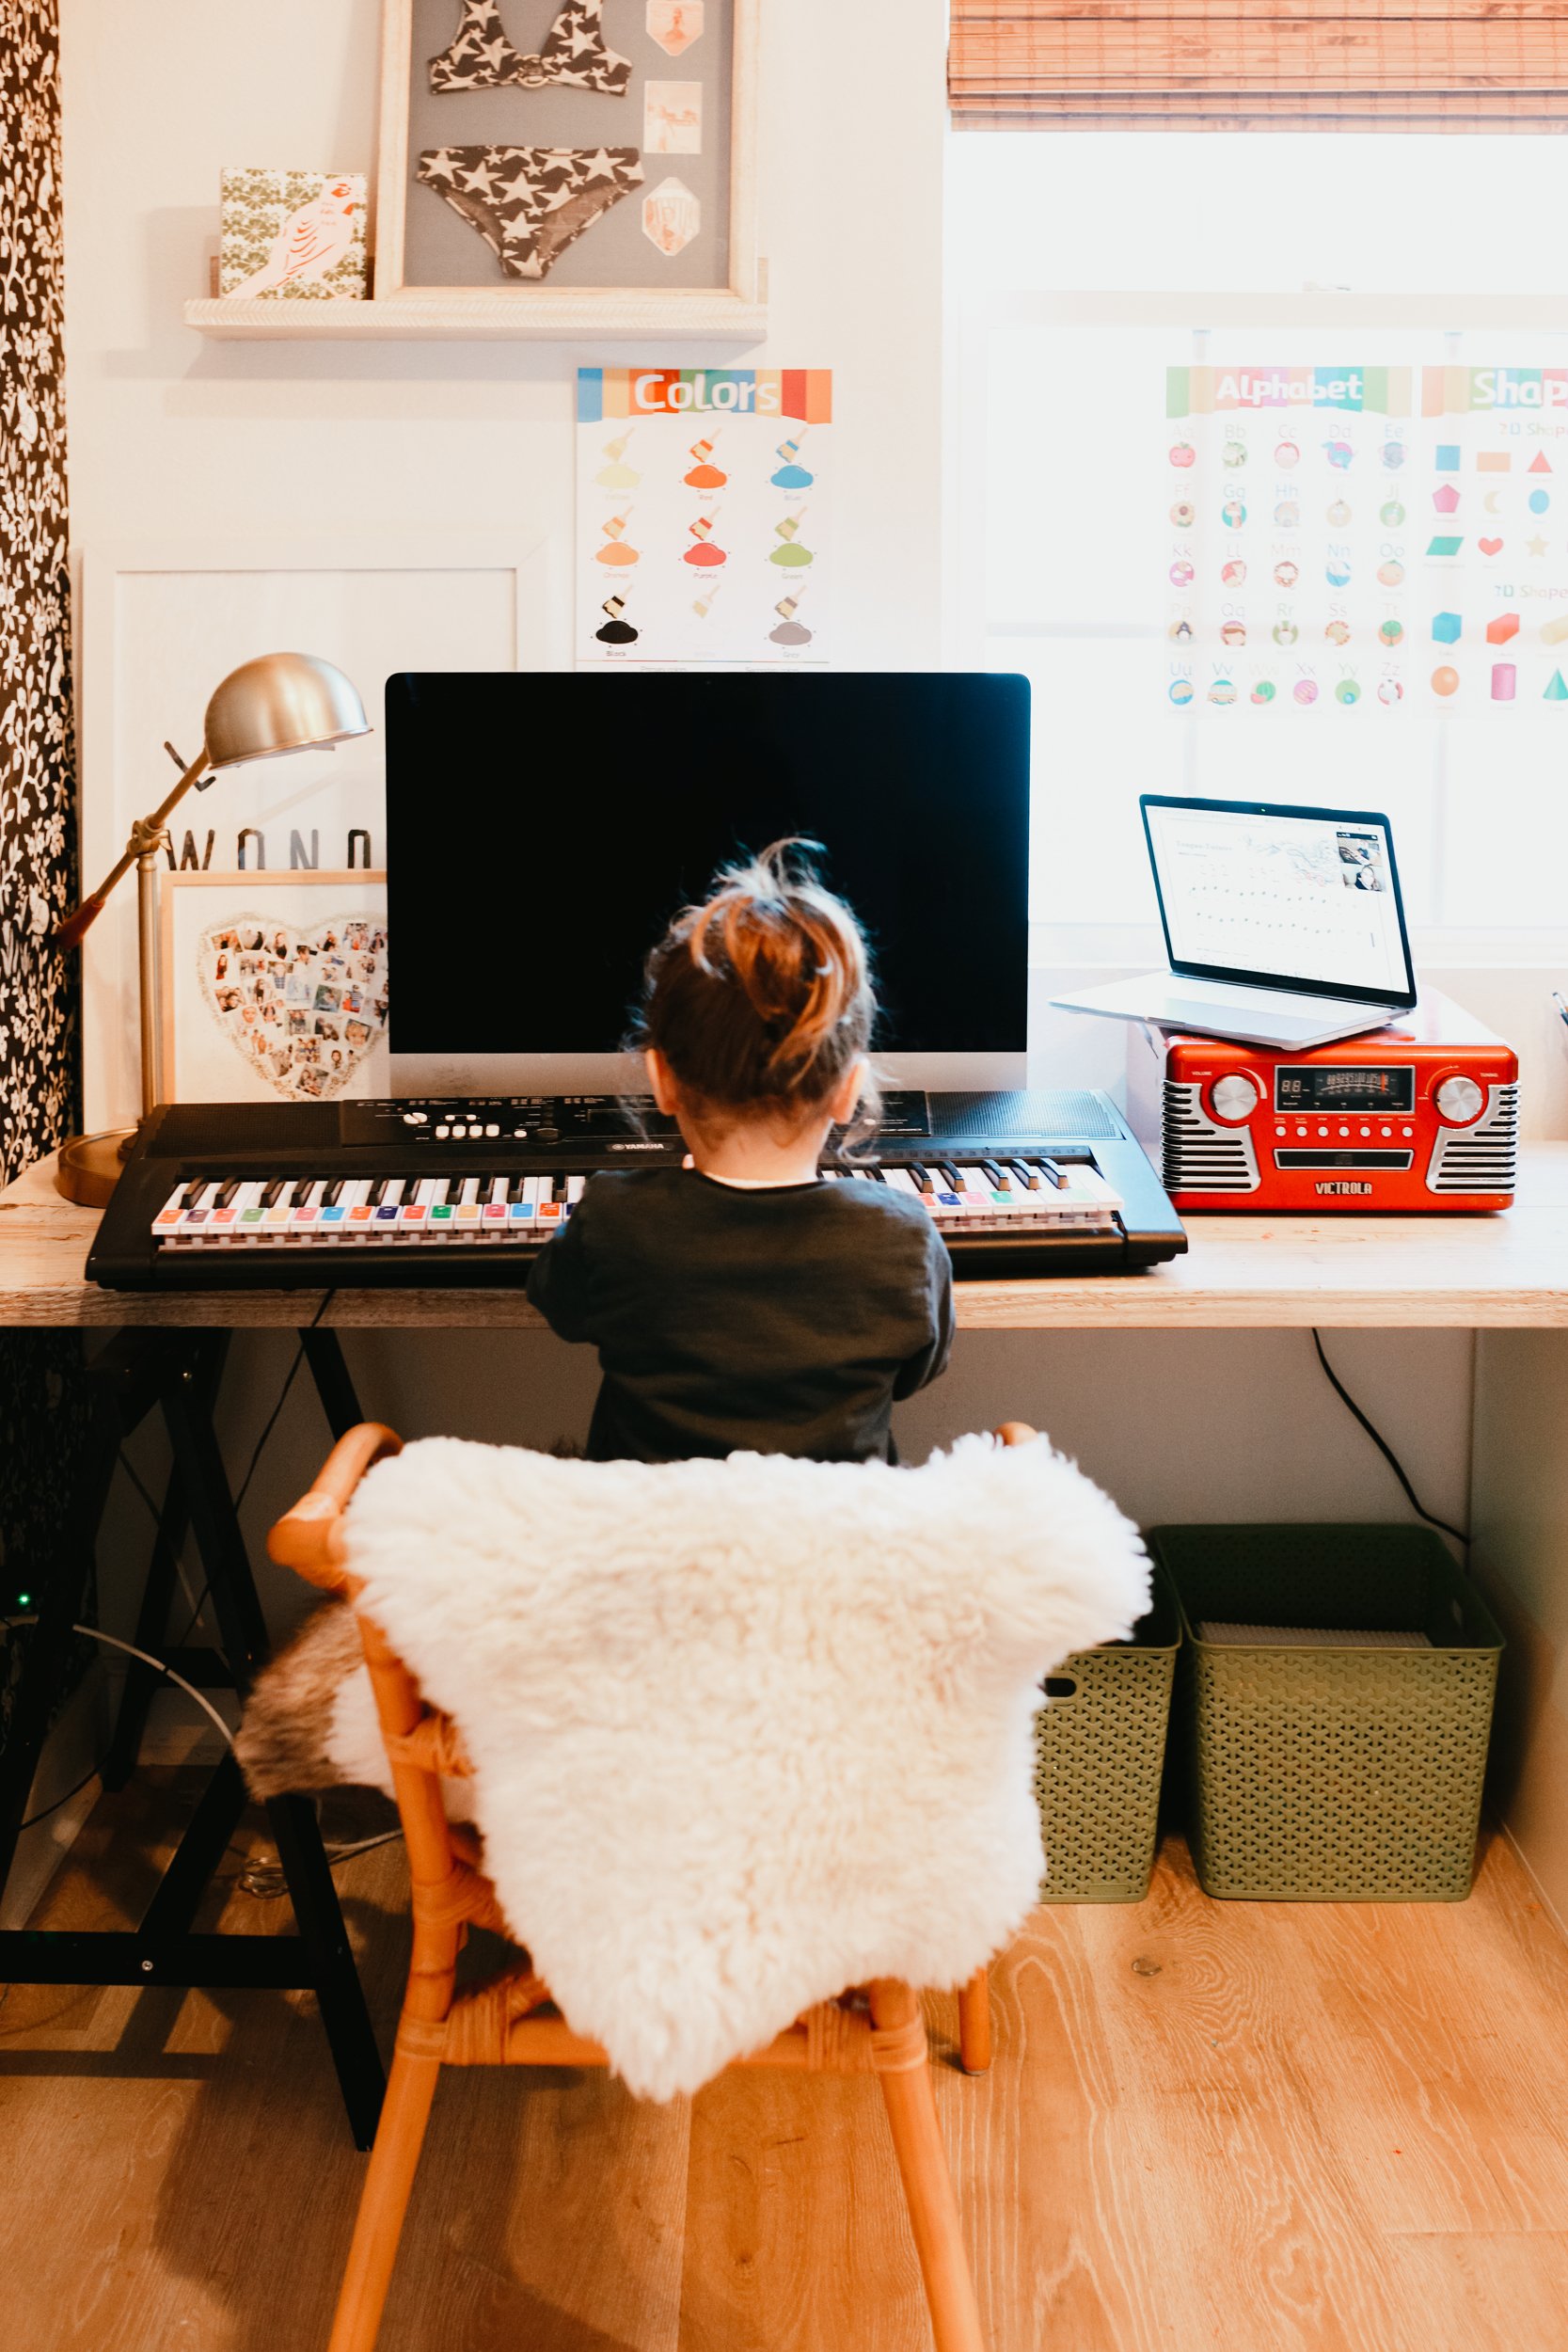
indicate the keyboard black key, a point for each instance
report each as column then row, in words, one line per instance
column 273, row 1194
column 333, row 1193
column 226, row 1192
column 193, row 1193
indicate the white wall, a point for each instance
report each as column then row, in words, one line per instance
column 172, row 437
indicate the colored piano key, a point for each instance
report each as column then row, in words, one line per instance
column 306, row 1206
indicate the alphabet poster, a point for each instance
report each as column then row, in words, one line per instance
column 703, row 533
column 1333, row 542
column 1290, row 530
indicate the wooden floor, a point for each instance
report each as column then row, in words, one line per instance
column 1259, row 2126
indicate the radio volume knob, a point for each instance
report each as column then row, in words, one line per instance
column 1235, row 1096
column 1459, row 1100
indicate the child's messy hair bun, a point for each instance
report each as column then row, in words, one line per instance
column 761, row 996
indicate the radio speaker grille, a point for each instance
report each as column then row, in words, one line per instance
column 1199, row 1155
column 1483, row 1158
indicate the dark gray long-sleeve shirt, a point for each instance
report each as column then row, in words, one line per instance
column 777, row 1321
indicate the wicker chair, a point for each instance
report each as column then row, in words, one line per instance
column 511, row 2020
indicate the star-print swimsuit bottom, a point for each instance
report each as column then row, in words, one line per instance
column 529, row 204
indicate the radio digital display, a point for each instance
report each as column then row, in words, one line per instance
column 1346, row 1086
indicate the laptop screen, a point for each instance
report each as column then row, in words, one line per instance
column 1270, row 897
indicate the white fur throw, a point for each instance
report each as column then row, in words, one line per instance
column 747, row 1732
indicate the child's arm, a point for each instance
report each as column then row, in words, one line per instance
column 929, row 1362
column 558, row 1282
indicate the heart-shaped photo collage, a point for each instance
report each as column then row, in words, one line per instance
column 302, row 1007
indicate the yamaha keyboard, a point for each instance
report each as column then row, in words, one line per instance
column 423, row 1194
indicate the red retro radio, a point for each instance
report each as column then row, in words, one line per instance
column 1423, row 1114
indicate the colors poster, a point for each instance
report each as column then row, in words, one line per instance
column 704, row 530
column 1343, row 537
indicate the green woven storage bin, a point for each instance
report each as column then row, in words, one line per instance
column 1332, row 1776
column 1099, row 1749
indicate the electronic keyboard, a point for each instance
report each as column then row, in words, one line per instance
column 430, row 1193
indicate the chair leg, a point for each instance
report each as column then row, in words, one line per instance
column 912, row 2114
column 410, row 2088
column 975, row 2023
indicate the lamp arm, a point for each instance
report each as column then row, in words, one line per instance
column 145, row 834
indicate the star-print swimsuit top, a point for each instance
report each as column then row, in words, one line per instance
column 573, row 52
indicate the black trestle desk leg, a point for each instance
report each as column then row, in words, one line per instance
column 324, row 1353
column 152, row 1625
column 49, row 1641
column 300, row 1853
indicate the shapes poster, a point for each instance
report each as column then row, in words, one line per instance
column 1333, row 543
column 703, row 530
column 1494, row 616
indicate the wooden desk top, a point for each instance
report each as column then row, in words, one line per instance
column 1241, row 1273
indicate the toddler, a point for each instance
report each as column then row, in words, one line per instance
column 743, row 1302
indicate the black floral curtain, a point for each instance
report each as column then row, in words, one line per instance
column 38, row 1009
column 42, row 1397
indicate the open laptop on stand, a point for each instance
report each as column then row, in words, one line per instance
column 1283, row 926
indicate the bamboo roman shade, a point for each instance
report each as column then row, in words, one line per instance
column 1270, row 65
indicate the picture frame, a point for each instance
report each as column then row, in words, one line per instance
column 645, row 262
column 273, row 985
column 163, row 619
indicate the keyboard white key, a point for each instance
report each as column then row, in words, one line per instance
column 305, row 1216
column 196, row 1208
column 492, row 1201
column 414, row 1215
column 355, row 1202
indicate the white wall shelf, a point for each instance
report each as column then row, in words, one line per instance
column 549, row 315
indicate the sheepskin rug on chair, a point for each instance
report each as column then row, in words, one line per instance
column 744, row 1733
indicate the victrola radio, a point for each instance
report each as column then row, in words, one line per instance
column 1423, row 1114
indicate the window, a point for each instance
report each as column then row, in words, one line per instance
column 1083, row 268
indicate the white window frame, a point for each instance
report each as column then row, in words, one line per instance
column 967, row 632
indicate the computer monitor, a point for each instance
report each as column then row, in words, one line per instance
column 543, row 827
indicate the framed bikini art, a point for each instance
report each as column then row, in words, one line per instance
column 570, row 168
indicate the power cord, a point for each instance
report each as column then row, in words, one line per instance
column 112, row 1641
column 1384, row 1449
column 261, row 1877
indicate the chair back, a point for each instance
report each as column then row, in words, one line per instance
column 782, row 1710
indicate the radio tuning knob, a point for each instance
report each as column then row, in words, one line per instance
column 1235, row 1096
column 1459, row 1100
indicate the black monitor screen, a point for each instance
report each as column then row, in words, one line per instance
column 542, row 828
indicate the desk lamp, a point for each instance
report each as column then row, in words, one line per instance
column 285, row 702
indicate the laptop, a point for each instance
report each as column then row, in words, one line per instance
column 1284, row 927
